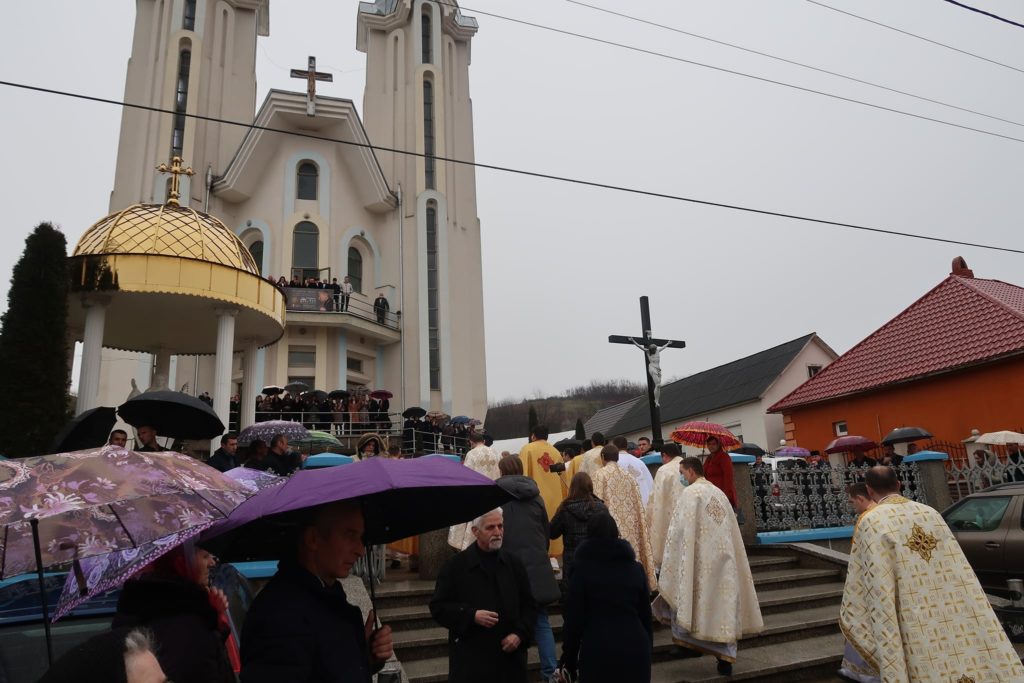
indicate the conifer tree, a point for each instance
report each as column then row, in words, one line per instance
column 33, row 346
column 531, row 420
column 581, row 433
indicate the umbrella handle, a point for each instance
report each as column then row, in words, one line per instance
column 42, row 589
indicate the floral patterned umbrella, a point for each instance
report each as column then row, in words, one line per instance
column 697, row 433
column 850, row 443
column 56, row 509
column 265, row 431
column 101, row 573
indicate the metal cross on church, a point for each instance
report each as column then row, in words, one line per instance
column 176, row 171
column 312, row 76
column 652, row 349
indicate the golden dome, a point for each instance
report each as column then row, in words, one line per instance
column 167, row 230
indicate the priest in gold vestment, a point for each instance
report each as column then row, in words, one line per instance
column 483, row 459
column 912, row 607
column 589, row 461
column 662, row 503
column 621, row 494
column 543, row 463
column 707, row 590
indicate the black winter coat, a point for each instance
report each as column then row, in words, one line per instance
column 189, row 644
column 464, row 586
column 526, row 535
column 223, row 461
column 608, row 629
column 299, row 631
column 570, row 522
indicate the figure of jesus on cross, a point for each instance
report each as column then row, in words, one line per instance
column 311, row 76
column 652, row 349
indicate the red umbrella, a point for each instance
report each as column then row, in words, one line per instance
column 380, row 394
column 850, row 443
column 697, row 433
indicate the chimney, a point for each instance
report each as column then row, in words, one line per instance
column 960, row 268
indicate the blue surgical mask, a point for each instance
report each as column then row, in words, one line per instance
column 682, row 480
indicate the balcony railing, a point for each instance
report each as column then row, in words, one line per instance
column 326, row 302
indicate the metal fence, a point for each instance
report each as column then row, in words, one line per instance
column 804, row 496
column 976, row 467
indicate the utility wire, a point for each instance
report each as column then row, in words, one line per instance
column 987, row 14
column 721, row 69
column 790, row 61
column 515, row 171
column 914, row 35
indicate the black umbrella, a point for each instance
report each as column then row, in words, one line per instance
column 749, row 449
column 88, row 430
column 271, row 390
column 569, row 443
column 317, row 394
column 906, row 435
column 414, row 412
column 338, row 394
column 173, row 414
column 296, row 387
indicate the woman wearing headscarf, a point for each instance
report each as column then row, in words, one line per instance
column 189, row 620
column 370, row 446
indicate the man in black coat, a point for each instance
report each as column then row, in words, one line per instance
column 226, row 457
column 279, row 460
column 301, row 626
column 483, row 598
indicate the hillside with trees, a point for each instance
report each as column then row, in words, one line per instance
column 511, row 418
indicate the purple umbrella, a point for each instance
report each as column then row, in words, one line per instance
column 792, row 452
column 101, row 573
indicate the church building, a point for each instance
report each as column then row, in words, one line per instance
column 309, row 197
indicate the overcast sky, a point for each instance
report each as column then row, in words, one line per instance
column 565, row 264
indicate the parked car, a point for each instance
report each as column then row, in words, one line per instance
column 989, row 525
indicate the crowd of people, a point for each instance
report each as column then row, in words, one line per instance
column 337, row 296
column 355, row 414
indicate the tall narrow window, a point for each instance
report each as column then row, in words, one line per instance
column 180, row 103
column 256, row 249
column 427, row 39
column 433, row 313
column 428, row 134
column 307, row 180
column 355, row 269
column 188, row 21
column 305, row 246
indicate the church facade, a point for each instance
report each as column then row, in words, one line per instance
column 310, row 198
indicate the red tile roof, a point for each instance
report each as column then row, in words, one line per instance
column 963, row 321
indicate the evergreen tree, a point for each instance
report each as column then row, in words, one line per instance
column 581, row 433
column 33, row 346
column 531, row 420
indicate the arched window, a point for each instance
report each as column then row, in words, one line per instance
column 433, row 300
column 180, row 103
column 307, row 180
column 256, row 249
column 188, row 21
column 355, row 269
column 305, row 247
column 427, row 39
column 428, row 134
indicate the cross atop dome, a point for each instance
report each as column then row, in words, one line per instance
column 175, row 169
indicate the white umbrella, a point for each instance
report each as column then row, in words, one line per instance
column 1000, row 438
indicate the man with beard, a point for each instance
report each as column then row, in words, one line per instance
column 483, row 598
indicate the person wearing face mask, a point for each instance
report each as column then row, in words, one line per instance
column 668, row 486
column 707, row 591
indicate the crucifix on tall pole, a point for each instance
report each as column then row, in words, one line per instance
column 652, row 348
column 312, row 76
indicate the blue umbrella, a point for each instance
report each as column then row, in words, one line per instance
column 460, row 420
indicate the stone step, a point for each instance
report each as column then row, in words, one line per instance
column 759, row 563
column 816, row 659
column 795, row 577
column 772, row 599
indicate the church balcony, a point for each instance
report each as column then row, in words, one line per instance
column 319, row 308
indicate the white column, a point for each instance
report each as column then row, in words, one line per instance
column 222, row 367
column 92, row 350
column 250, row 388
column 161, row 373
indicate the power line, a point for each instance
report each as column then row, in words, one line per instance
column 790, row 61
column 515, row 171
column 721, row 69
column 987, row 14
column 914, row 35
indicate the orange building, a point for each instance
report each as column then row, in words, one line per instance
column 951, row 362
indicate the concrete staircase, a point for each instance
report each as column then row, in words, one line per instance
column 799, row 595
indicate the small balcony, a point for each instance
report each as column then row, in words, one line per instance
column 314, row 307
